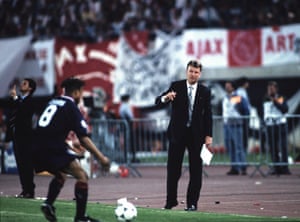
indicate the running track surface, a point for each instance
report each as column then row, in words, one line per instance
column 277, row 196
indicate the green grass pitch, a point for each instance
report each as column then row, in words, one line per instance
column 28, row 210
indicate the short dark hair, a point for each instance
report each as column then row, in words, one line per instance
column 195, row 64
column 72, row 84
column 32, row 85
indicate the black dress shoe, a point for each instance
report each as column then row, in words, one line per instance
column 169, row 206
column 25, row 195
column 191, row 208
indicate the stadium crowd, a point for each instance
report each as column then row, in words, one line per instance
column 97, row 20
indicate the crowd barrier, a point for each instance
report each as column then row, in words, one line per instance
column 146, row 140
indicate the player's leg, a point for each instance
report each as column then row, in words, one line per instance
column 55, row 187
column 81, row 190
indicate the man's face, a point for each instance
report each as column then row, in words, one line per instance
column 77, row 95
column 272, row 90
column 193, row 74
column 228, row 87
column 24, row 87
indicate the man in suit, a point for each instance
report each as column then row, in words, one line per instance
column 190, row 127
column 20, row 127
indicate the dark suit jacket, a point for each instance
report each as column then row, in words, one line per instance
column 201, row 118
column 19, row 113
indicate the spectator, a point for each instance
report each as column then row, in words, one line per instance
column 177, row 20
column 275, row 108
column 233, row 108
column 209, row 14
column 126, row 113
column 195, row 21
column 101, row 20
column 242, row 86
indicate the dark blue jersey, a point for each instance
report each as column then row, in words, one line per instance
column 60, row 117
column 51, row 152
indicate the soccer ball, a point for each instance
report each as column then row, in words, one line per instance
column 126, row 212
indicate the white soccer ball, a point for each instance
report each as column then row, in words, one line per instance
column 126, row 212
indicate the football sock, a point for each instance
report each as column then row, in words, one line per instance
column 81, row 194
column 54, row 189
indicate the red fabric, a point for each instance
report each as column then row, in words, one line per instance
column 244, row 48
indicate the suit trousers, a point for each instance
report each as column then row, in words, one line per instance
column 23, row 155
column 174, row 168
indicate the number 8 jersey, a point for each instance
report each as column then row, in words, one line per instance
column 59, row 117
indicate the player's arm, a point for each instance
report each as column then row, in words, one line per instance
column 88, row 144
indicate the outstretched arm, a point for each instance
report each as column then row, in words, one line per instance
column 165, row 97
column 88, row 144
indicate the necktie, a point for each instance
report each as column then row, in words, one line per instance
column 190, row 105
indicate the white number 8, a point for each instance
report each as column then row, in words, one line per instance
column 47, row 115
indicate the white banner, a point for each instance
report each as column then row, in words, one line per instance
column 209, row 46
column 281, row 45
column 12, row 52
column 146, row 76
column 38, row 64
